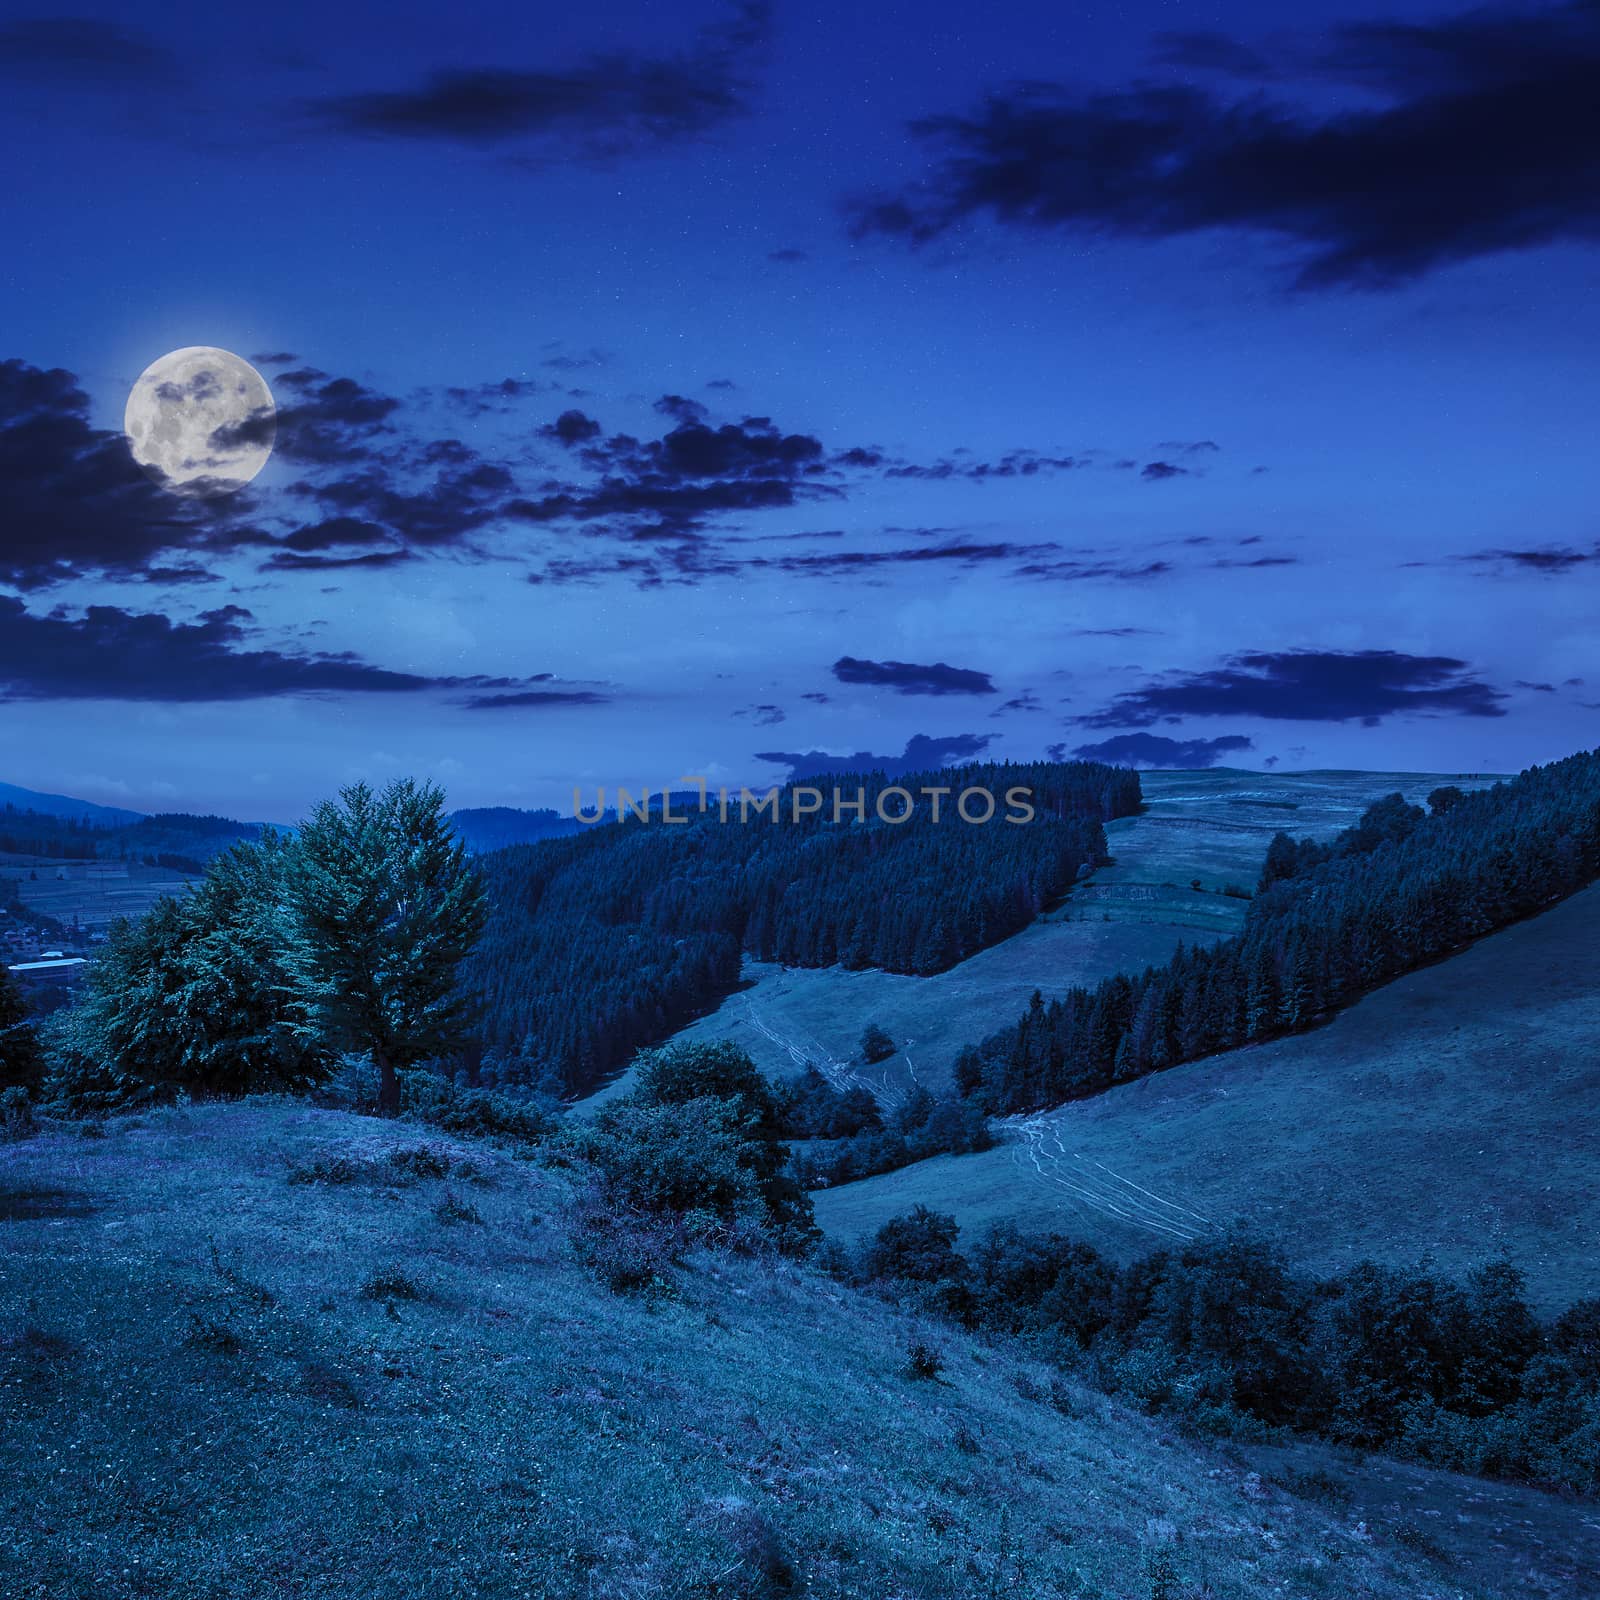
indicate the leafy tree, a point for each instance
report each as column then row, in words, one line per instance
column 200, row 992
column 720, row 1079
column 876, row 1045
column 919, row 1245
column 21, row 1062
column 388, row 906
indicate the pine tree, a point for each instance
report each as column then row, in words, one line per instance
column 389, row 905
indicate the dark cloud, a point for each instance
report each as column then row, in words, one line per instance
column 1537, row 688
column 571, row 429
column 1485, row 137
column 1310, row 686
column 611, row 104
column 962, row 553
column 112, row 654
column 82, row 47
column 1026, row 701
column 766, row 716
column 537, row 700
column 666, row 488
column 1152, row 750
column 482, row 399
column 1551, row 561
column 328, row 421
column 1159, row 471
column 1072, row 570
column 275, row 358
column 817, row 698
column 923, row 753
column 1015, row 464
column 74, row 500
column 909, row 677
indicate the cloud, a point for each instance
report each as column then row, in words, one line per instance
column 536, row 700
column 923, row 753
column 1015, row 464
column 908, row 677
column 1152, row 750
column 1310, row 686
column 1548, row 561
column 112, row 654
column 1474, row 134
column 75, row 501
column 82, row 47
column 611, row 104
column 788, row 256
column 483, row 399
column 1160, row 471
column 766, row 716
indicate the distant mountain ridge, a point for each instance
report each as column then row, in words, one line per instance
column 61, row 805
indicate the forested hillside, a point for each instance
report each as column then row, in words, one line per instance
column 176, row 840
column 1329, row 923
column 603, row 942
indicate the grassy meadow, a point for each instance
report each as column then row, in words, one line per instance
column 219, row 1382
column 1448, row 1115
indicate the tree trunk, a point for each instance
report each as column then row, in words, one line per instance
column 388, row 1084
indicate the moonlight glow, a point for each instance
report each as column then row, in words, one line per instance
column 201, row 421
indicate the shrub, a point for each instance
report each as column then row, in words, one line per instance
column 478, row 1114
column 16, row 1114
column 390, row 1283
column 920, row 1246
column 876, row 1045
column 330, row 1170
column 205, row 1333
column 418, row 1162
column 628, row 1253
column 923, row 1361
column 451, row 1210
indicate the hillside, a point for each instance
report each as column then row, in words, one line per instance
column 204, row 1399
column 1198, row 834
column 1450, row 1114
column 600, row 944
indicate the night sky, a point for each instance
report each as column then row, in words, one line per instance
column 671, row 389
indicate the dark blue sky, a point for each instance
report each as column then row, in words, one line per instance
column 682, row 389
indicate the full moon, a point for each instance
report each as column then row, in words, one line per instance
column 201, row 421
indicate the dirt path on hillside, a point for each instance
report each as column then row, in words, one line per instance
column 1041, row 1153
column 806, row 1051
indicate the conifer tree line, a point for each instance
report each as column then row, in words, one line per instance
column 1329, row 922
column 602, row 943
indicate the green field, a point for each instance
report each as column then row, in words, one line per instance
column 1450, row 1115
column 1200, row 833
column 209, row 1393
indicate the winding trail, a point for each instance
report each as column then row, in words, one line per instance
column 1039, row 1152
column 805, row 1051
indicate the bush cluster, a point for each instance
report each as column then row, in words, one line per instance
column 1225, row 1336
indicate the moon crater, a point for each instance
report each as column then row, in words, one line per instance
column 201, row 421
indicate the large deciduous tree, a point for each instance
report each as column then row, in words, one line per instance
column 387, row 905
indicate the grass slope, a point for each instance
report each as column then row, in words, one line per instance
column 1449, row 1114
column 202, row 1401
column 1209, row 829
